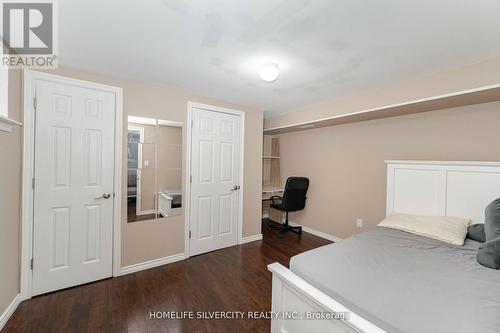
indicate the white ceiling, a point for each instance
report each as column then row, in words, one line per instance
column 325, row 48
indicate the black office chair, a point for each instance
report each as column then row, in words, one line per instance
column 294, row 199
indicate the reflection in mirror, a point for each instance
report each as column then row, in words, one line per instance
column 141, row 182
column 169, row 153
column 154, row 184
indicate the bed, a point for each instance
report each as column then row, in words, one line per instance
column 392, row 281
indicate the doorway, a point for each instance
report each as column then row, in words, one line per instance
column 135, row 211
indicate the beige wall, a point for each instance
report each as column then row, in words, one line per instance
column 149, row 240
column 10, row 198
column 346, row 167
column 170, row 158
column 473, row 76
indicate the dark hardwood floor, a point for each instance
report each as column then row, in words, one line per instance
column 131, row 212
column 231, row 279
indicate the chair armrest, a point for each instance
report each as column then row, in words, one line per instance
column 275, row 197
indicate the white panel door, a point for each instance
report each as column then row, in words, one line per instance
column 74, row 160
column 215, row 171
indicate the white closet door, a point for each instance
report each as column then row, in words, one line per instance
column 215, row 171
column 73, row 197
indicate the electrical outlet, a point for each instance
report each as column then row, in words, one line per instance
column 359, row 222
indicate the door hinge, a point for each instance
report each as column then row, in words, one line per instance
column 189, row 233
column 191, row 178
column 33, row 183
column 34, row 102
column 31, row 263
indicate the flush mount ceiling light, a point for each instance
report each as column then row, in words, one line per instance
column 269, row 72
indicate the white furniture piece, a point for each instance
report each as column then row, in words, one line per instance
column 165, row 200
column 461, row 189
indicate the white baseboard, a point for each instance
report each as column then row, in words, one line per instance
column 321, row 234
column 10, row 310
column 145, row 212
column 251, row 239
column 315, row 232
column 152, row 264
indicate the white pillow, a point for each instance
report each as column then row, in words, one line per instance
column 444, row 228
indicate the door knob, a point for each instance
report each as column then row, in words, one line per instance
column 104, row 196
column 235, row 188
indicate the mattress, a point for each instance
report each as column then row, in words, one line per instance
column 406, row 283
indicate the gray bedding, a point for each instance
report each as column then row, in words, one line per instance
column 406, row 283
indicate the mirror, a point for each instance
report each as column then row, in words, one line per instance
column 154, row 180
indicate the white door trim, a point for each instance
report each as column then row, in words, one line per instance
column 187, row 219
column 28, row 164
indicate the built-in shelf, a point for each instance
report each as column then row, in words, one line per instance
column 6, row 124
column 474, row 96
column 270, row 157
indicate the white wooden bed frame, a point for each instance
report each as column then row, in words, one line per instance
column 461, row 189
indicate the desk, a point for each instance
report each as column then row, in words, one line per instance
column 269, row 191
column 267, row 211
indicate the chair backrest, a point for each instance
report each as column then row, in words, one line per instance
column 294, row 195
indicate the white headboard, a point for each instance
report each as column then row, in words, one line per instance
column 461, row 189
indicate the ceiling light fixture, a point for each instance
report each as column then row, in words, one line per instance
column 269, row 72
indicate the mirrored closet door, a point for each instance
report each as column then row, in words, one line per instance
column 154, row 179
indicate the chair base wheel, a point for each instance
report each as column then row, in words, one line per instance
column 283, row 228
